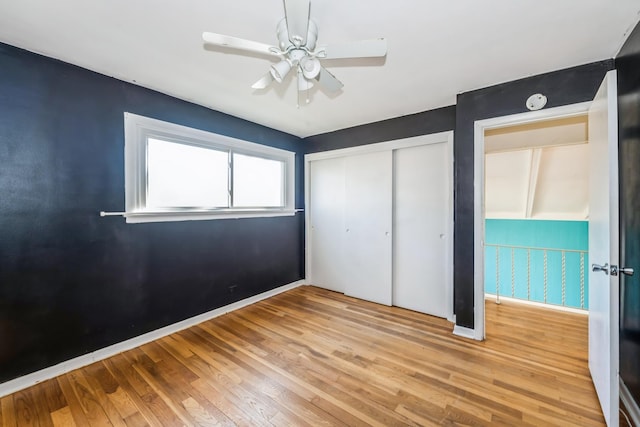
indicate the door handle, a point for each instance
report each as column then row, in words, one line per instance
column 598, row 267
column 624, row 270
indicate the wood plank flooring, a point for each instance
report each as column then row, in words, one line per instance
column 311, row 357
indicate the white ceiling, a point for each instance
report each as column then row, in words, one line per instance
column 437, row 49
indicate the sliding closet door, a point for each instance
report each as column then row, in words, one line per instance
column 368, row 226
column 327, row 207
column 421, row 210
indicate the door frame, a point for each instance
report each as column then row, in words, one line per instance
column 480, row 126
column 435, row 138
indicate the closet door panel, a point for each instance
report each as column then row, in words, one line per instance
column 327, row 207
column 421, row 201
column 368, row 226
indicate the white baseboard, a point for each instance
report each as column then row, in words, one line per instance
column 463, row 332
column 28, row 380
column 538, row 304
column 630, row 404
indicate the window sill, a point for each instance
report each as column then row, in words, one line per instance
column 141, row 217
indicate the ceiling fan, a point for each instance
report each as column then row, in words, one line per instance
column 297, row 35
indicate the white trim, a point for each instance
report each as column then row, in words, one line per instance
column 450, row 230
column 194, row 215
column 414, row 141
column 463, row 332
column 139, row 128
column 29, row 380
column 480, row 127
column 307, row 221
column 492, row 297
column 435, row 138
column 630, row 403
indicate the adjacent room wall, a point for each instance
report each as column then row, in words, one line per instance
column 515, row 252
column 72, row 282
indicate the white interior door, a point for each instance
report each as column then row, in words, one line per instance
column 368, row 214
column 327, row 211
column 420, row 234
column 603, row 247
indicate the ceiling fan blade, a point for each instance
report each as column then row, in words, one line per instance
column 264, row 82
column 360, row 49
column 329, row 81
column 237, row 43
column 297, row 15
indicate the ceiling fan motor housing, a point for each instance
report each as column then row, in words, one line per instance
column 297, row 54
column 286, row 43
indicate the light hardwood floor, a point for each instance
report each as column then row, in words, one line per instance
column 311, row 357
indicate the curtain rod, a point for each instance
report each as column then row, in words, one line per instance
column 103, row 213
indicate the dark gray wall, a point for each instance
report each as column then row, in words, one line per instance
column 72, row 282
column 433, row 121
column 628, row 67
column 563, row 87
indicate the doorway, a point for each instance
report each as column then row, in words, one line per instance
column 603, row 232
column 481, row 127
column 536, row 213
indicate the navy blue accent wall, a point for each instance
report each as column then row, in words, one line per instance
column 72, row 282
column 628, row 66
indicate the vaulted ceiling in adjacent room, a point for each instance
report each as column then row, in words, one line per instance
column 538, row 170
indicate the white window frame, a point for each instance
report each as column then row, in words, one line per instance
column 138, row 129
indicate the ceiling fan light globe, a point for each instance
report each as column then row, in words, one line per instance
column 310, row 67
column 280, row 70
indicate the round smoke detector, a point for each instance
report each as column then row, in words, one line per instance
column 536, row 102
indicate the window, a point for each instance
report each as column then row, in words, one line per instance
column 176, row 173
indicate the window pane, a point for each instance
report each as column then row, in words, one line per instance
column 180, row 175
column 257, row 182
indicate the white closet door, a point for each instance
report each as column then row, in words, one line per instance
column 421, row 209
column 368, row 213
column 327, row 206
